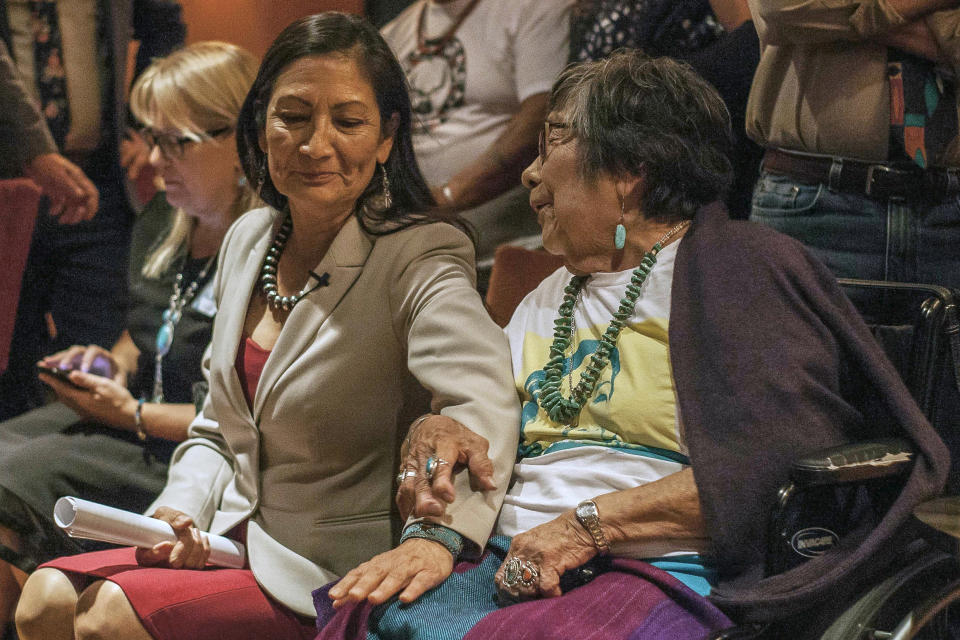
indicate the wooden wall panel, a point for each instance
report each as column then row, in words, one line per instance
column 252, row 23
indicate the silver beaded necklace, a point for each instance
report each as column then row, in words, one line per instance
column 268, row 273
column 171, row 317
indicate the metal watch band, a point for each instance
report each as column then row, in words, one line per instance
column 588, row 516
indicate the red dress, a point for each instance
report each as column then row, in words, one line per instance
column 208, row 604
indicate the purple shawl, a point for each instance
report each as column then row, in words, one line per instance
column 761, row 340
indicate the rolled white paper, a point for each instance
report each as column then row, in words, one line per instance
column 92, row 521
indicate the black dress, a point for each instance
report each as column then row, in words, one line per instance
column 52, row 452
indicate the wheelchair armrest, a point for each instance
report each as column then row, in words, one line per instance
column 941, row 523
column 853, row 463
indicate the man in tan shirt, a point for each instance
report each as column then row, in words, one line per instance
column 853, row 169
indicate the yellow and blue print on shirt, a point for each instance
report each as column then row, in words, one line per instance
column 633, row 406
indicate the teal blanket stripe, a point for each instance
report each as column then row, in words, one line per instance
column 626, row 597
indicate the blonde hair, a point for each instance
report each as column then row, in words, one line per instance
column 193, row 90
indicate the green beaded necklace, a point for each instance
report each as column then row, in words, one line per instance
column 558, row 407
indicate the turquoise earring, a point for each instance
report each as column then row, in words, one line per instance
column 620, row 236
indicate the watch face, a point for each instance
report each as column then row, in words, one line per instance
column 586, row 511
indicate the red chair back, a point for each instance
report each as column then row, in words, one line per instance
column 19, row 200
column 516, row 272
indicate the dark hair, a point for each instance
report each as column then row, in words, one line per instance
column 353, row 36
column 655, row 117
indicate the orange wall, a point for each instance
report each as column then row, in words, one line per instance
column 252, row 23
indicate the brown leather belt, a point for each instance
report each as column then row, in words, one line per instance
column 880, row 181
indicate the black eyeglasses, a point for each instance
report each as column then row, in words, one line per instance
column 544, row 143
column 173, row 146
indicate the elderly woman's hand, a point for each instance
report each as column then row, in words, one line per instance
column 538, row 557
column 443, row 439
column 413, row 568
column 190, row 551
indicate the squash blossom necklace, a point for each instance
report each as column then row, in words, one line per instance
column 563, row 409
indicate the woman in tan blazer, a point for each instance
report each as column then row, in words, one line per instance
column 333, row 302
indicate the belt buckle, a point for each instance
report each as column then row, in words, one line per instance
column 952, row 180
column 873, row 168
column 836, row 170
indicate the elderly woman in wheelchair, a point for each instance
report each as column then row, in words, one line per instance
column 669, row 375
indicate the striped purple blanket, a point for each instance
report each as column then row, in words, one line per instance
column 633, row 601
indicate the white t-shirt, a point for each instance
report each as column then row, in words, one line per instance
column 504, row 52
column 627, row 434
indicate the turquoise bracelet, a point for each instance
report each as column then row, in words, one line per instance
column 449, row 538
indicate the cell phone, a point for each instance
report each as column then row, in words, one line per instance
column 60, row 374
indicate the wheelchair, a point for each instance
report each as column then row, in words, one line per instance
column 833, row 490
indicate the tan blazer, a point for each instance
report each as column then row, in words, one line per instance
column 312, row 467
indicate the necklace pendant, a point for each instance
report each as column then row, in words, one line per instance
column 164, row 338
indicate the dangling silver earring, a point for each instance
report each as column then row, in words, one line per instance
column 261, row 176
column 242, row 180
column 386, row 195
column 620, row 235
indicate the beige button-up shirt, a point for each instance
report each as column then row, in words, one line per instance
column 78, row 33
column 821, row 86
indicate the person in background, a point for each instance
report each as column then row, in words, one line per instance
column 856, row 103
column 656, row 422
column 33, row 154
column 657, row 27
column 333, row 302
column 716, row 38
column 380, row 12
column 110, row 436
column 479, row 72
column 72, row 56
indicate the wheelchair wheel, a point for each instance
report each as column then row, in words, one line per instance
column 938, row 618
column 921, row 601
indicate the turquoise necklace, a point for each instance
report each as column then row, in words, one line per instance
column 563, row 409
column 170, row 318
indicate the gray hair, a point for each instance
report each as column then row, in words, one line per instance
column 653, row 117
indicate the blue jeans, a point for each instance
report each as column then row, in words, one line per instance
column 859, row 237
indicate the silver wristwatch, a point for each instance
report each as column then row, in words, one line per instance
column 589, row 517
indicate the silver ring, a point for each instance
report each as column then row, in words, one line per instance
column 433, row 463
column 403, row 475
column 522, row 572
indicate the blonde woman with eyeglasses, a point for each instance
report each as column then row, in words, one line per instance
column 121, row 411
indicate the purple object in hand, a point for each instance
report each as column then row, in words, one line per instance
column 101, row 367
